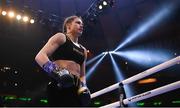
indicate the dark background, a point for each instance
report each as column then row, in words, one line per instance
column 19, row 43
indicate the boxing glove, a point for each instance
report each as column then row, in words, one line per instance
column 64, row 78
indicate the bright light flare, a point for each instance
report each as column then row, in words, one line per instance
column 32, row 21
column 4, row 13
column 11, row 14
column 105, row 53
column 25, row 18
column 18, row 17
column 100, row 7
column 104, row 3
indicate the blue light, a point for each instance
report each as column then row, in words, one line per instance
column 147, row 25
column 93, row 59
column 119, row 76
column 91, row 70
column 105, row 52
column 145, row 57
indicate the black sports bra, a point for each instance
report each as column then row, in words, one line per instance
column 69, row 51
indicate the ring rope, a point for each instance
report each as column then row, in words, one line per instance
column 147, row 94
column 139, row 76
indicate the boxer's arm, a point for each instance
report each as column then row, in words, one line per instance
column 53, row 43
column 83, row 76
column 83, row 68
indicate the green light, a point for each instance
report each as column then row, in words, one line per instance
column 9, row 97
column 157, row 103
column 44, row 101
column 25, row 99
column 140, row 104
column 97, row 103
column 176, row 102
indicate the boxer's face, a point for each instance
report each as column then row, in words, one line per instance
column 76, row 26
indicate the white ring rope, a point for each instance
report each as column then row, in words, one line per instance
column 147, row 94
column 139, row 76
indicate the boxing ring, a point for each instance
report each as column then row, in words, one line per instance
column 145, row 95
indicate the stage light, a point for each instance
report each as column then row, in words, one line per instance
column 32, row 21
column 45, row 101
column 97, row 103
column 145, row 57
column 24, row 99
column 104, row 3
column 7, row 68
column 111, row 52
column 157, row 103
column 10, row 98
column 25, row 18
column 100, row 7
column 105, row 52
column 92, row 69
column 11, row 14
column 95, row 9
column 15, row 84
column 147, row 25
column 15, row 72
column 18, row 17
column 140, row 103
column 147, row 81
column 3, row 13
column 176, row 102
column 93, row 59
column 126, row 63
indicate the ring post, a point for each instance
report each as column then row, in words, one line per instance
column 122, row 95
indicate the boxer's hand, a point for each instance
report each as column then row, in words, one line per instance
column 49, row 67
column 62, row 76
column 84, row 94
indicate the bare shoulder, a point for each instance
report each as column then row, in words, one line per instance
column 58, row 38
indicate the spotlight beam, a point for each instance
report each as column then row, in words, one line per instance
column 151, row 22
column 119, row 76
column 145, row 57
column 93, row 59
column 92, row 69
